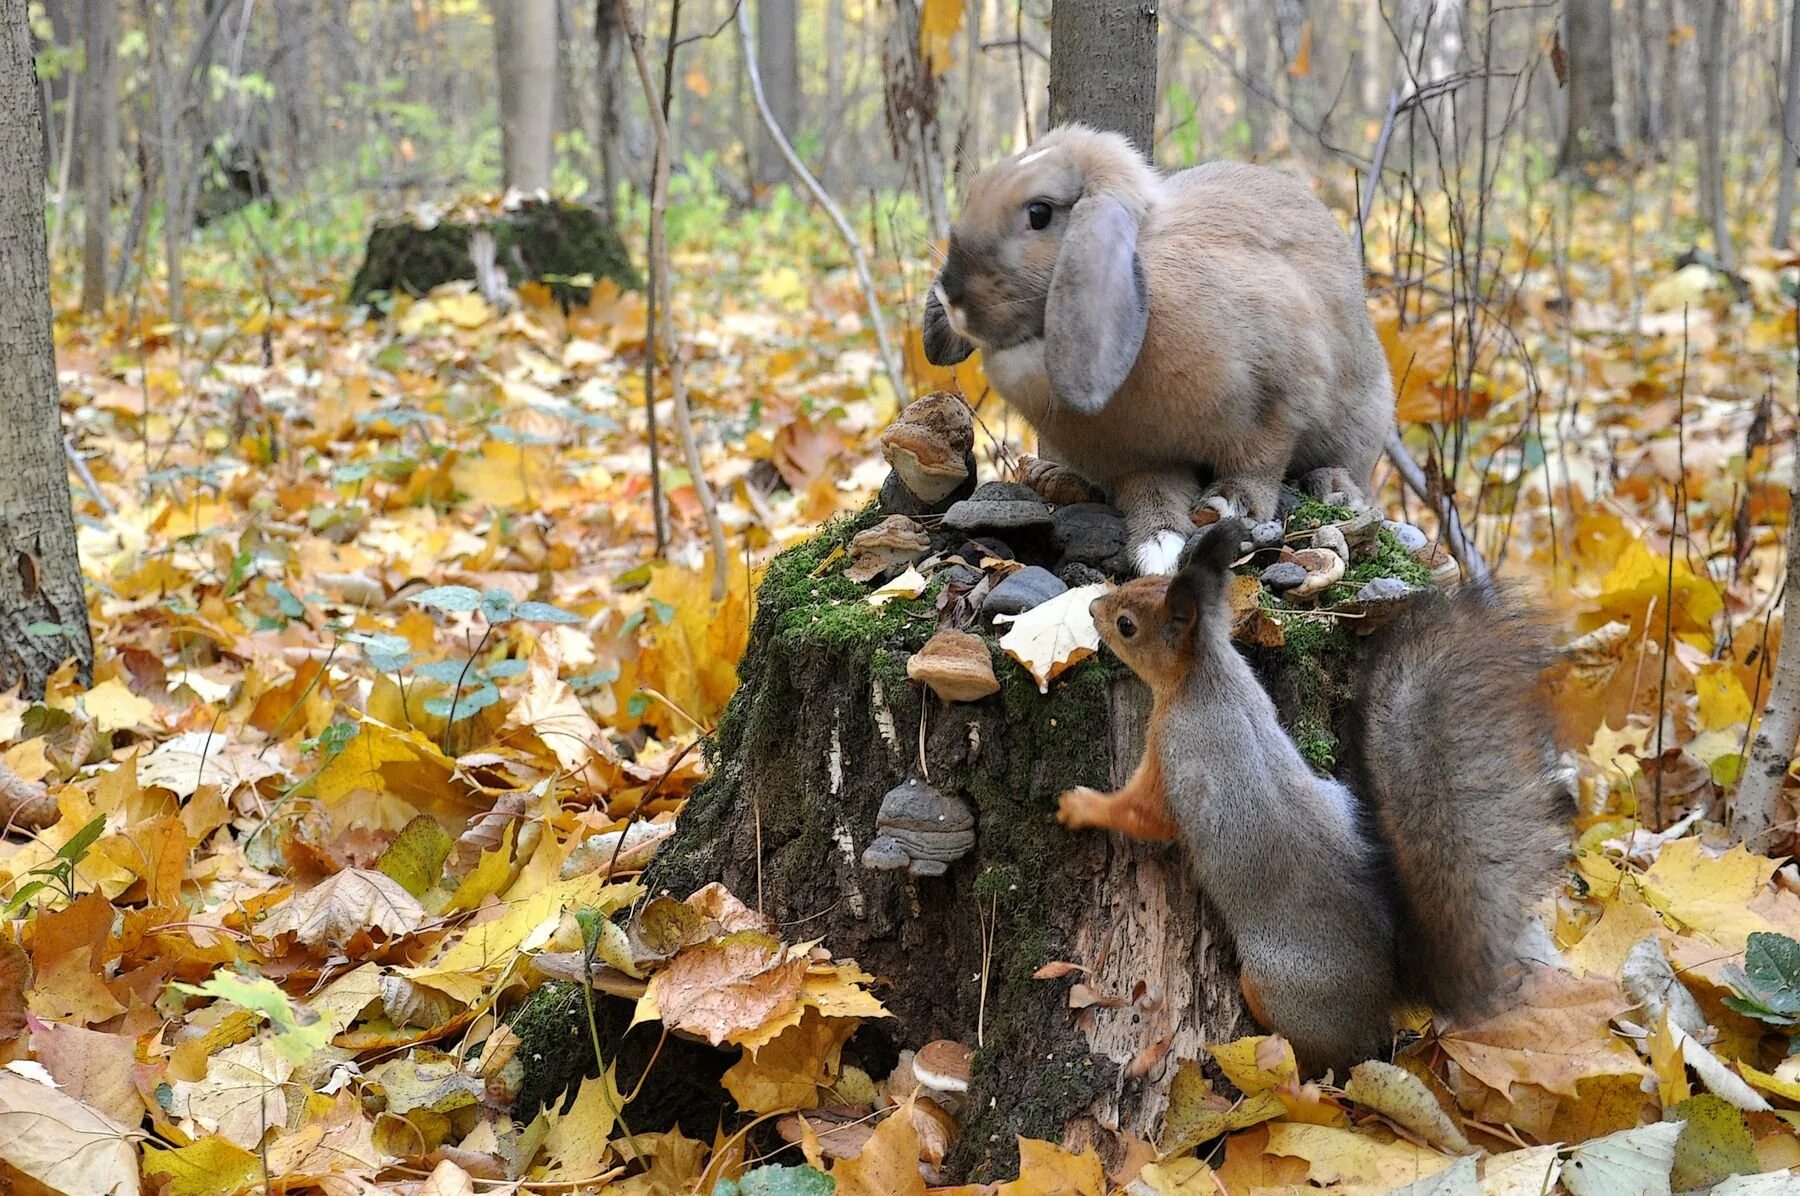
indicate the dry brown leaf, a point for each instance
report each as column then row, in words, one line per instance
column 354, row 901
column 1555, row 1032
column 728, row 988
column 62, row 1143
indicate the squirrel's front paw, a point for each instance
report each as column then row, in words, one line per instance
column 1082, row 807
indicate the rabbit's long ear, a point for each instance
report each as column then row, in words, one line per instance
column 942, row 345
column 1098, row 306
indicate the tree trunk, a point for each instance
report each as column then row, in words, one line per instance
column 1713, row 50
column 778, row 61
column 99, row 143
column 291, row 70
column 525, row 49
column 1591, row 133
column 1789, row 145
column 1103, row 66
column 609, row 41
column 824, row 724
column 43, row 609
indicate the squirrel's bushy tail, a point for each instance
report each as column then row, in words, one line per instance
column 1461, row 774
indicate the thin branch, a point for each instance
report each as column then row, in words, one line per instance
column 1411, row 476
column 871, row 299
column 659, row 268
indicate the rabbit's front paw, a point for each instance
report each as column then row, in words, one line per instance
column 1253, row 498
column 1335, row 486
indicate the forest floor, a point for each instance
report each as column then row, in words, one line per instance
column 383, row 640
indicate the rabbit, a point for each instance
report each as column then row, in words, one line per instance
column 1157, row 329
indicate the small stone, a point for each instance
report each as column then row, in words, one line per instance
column 890, row 545
column 1087, row 533
column 1409, row 537
column 961, row 575
column 1075, row 575
column 1323, row 570
column 979, row 514
column 1386, row 589
column 1267, row 535
column 930, row 446
column 998, row 491
column 1331, row 539
column 1284, row 575
column 1361, row 528
column 1030, row 587
column 955, row 666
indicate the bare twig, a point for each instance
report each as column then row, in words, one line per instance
column 871, row 299
column 659, row 269
column 1443, row 502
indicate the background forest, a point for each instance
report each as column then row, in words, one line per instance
column 454, row 395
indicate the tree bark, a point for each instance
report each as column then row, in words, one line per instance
column 1591, row 133
column 778, row 62
column 100, row 145
column 525, row 50
column 1713, row 50
column 1772, row 750
column 43, row 609
column 1103, row 66
column 1789, row 146
column 609, row 41
column 824, row 724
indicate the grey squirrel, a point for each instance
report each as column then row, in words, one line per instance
column 1178, row 340
column 1346, row 905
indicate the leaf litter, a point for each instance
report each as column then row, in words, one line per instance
column 393, row 700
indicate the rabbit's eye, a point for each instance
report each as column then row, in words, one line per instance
column 1038, row 212
column 1127, row 626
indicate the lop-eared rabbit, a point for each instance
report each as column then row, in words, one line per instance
column 1181, row 341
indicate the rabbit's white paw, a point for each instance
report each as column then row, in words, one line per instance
column 1159, row 554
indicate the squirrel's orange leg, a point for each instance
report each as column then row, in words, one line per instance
column 1137, row 810
column 1253, row 1002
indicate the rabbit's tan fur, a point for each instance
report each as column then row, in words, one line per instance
column 1258, row 361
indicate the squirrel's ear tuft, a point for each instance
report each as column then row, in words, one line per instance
column 1204, row 564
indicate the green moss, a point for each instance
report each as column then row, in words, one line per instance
column 1311, row 668
column 1311, row 513
column 1050, row 751
column 1390, row 559
column 554, row 1045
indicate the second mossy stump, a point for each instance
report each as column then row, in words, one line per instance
column 567, row 246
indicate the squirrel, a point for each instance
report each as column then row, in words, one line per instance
column 1347, row 904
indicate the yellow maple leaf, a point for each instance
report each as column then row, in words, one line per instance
column 1046, row 1169
column 113, row 707
column 788, row 1072
column 579, row 1139
column 889, row 1162
column 1706, row 895
column 1347, row 1156
column 939, row 23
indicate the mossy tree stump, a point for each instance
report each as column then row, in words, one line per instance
column 553, row 242
column 825, row 723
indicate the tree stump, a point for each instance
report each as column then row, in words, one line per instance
column 561, row 244
column 825, row 723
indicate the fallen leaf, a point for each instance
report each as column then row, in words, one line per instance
column 1055, row 635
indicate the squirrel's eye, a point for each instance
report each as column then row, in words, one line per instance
column 1038, row 212
column 1127, row 626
